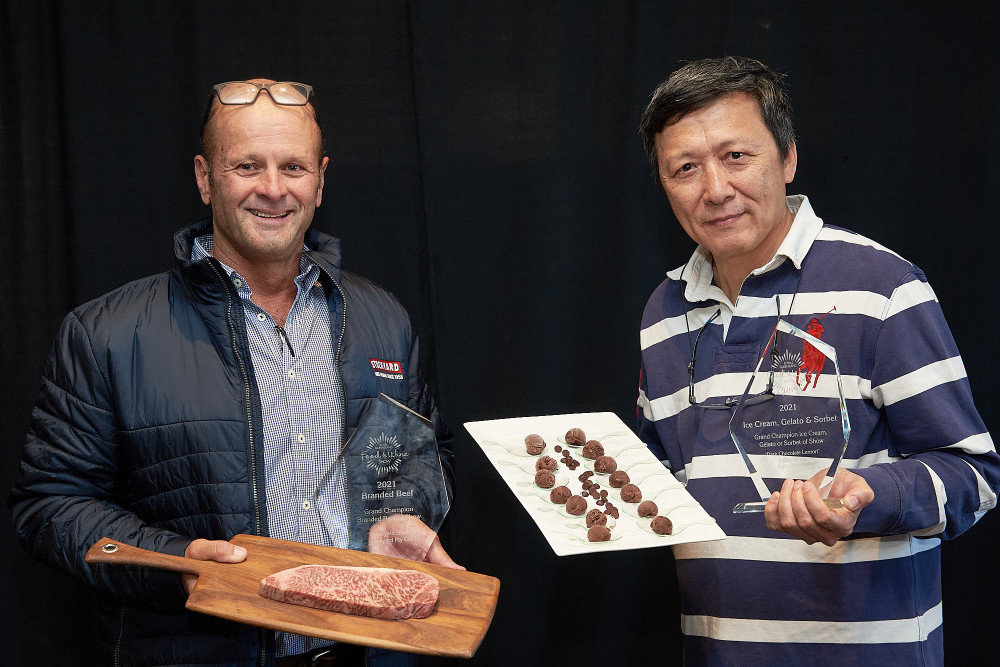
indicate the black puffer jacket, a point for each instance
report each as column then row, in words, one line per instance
column 148, row 430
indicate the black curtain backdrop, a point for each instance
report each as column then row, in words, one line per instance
column 485, row 167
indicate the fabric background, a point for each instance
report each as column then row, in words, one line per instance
column 485, row 167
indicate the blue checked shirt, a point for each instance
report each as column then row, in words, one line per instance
column 302, row 402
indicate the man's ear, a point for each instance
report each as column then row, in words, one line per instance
column 202, row 178
column 791, row 161
column 322, row 175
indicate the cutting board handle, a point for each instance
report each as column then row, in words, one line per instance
column 112, row 552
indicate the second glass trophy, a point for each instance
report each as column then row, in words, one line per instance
column 792, row 421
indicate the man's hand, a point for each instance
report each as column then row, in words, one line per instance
column 406, row 536
column 217, row 550
column 798, row 509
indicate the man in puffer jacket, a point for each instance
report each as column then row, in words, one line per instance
column 212, row 400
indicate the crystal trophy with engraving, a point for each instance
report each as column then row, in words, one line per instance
column 792, row 421
column 394, row 477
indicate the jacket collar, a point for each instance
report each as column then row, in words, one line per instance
column 324, row 250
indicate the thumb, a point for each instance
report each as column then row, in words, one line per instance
column 217, row 550
column 227, row 552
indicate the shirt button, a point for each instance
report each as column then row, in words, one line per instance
column 291, row 373
column 237, row 282
column 302, row 438
column 262, row 317
column 306, row 504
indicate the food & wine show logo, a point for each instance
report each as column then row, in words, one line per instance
column 383, row 454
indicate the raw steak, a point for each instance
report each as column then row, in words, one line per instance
column 377, row 592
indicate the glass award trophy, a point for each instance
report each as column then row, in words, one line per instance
column 791, row 421
column 394, row 476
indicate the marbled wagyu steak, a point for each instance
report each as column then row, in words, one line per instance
column 377, row 592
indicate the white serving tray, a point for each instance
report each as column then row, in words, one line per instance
column 502, row 440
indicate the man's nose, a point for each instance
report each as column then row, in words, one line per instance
column 718, row 186
column 271, row 184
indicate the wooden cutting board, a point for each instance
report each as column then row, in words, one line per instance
column 230, row 590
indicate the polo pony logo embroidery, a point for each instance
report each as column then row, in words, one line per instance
column 812, row 359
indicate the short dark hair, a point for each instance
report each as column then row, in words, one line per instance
column 701, row 82
column 210, row 109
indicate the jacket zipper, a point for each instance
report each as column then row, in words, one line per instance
column 336, row 364
column 121, row 634
column 246, row 399
column 261, row 633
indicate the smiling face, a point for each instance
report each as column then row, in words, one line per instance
column 725, row 181
column 264, row 182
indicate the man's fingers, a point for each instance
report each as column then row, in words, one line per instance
column 825, row 524
column 834, row 523
column 217, row 550
column 787, row 511
column 800, row 511
column 804, row 520
column 771, row 512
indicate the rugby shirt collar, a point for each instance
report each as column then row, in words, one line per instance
column 805, row 228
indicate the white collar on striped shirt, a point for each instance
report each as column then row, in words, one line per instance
column 805, row 228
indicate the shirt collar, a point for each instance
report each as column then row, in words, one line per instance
column 308, row 271
column 697, row 272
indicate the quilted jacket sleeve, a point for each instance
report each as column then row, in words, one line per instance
column 63, row 497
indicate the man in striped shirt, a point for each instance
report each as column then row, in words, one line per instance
column 804, row 583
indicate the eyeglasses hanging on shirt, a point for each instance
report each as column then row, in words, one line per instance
column 284, row 335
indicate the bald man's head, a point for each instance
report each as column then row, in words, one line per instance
column 209, row 124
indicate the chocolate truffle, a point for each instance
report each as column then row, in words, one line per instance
column 593, row 449
column 618, row 479
column 598, row 533
column 546, row 463
column 596, row 516
column 576, row 505
column 661, row 525
column 605, row 464
column 631, row 493
column 647, row 508
column 534, row 444
column 545, row 479
column 576, row 437
column 560, row 494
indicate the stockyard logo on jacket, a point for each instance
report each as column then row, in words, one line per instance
column 392, row 370
column 808, row 365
